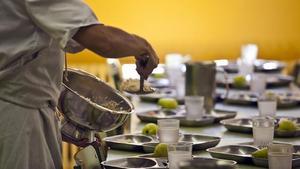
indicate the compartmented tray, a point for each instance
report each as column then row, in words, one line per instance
column 180, row 113
column 285, row 99
column 263, row 162
column 208, row 163
column 260, row 65
column 238, row 153
column 135, row 162
column 161, row 163
column 159, row 82
column 273, row 80
column 161, row 93
column 244, row 125
column 143, row 143
column 242, row 154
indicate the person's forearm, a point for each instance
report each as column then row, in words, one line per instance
column 108, row 41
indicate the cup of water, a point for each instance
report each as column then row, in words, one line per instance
column 176, row 76
column 267, row 105
column 280, row 156
column 263, row 131
column 168, row 130
column 194, row 107
column 258, row 83
column 179, row 152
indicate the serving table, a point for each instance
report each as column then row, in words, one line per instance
column 228, row 138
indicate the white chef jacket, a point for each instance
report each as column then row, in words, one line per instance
column 33, row 34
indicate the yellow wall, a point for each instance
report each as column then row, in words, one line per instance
column 206, row 29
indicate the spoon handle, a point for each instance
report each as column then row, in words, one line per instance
column 143, row 63
column 141, row 84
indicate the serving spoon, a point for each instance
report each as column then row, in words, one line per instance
column 141, row 91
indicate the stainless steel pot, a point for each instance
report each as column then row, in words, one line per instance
column 82, row 98
column 201, row 81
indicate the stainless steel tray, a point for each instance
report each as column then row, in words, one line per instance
column 277, row 80
column 161, row 93
column 263, row 162
column 200, row 142
column 238, row 153
column 208, row 163
column 201, row 162
column 204, row 121
column 260, row 65
column 244, row 125
column 180, row 113
column 135, row 162
column 154, row 115
column 159, row 82
column 162, row 163
column 128, row 142
column 286, row 99
column 142, row 143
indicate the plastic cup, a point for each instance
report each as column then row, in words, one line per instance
column 280, row 156
column 179, row 152
column 267, row 105
column 194, row 107
column 168, row 130
column 263, row 131
column 258, row 83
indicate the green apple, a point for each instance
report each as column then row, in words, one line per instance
column 262, row 153
column 161, row 150
column 158, row 75
column 150, row 129
column 239, row 81
column 287, row 125
column 168, row 103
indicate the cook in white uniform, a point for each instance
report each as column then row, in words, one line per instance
column 33, row 34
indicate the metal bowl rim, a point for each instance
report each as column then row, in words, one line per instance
column 81, row 72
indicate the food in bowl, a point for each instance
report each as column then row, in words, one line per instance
column 133, row 85
column 112, row 105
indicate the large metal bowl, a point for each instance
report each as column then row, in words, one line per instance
column 82, row 98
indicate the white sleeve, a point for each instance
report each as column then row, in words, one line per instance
column 73, row 47
column 61, row 19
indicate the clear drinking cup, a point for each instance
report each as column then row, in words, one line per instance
column 168, row 130
column 194, row 107
column 258, row 83
column 179, row 152
column 280, row 156
column 267, row 105
column 263, row 131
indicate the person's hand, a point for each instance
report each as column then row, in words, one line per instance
column 147, row 60
column 111, row 42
